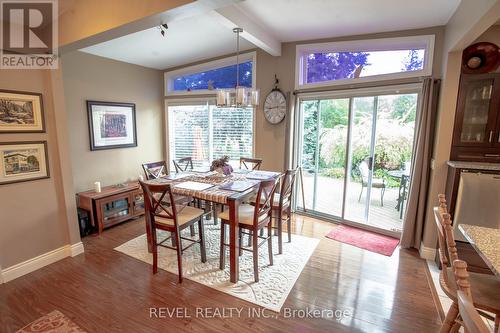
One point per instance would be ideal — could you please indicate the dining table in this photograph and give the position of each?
(220, 192)
(486, 242)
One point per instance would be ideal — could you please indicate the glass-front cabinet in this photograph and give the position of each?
(119, 207)
(138, 200)
(476, 111)
(115, 209)
(477, 122)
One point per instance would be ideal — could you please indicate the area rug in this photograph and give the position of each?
(54, 322)
(275, 282)
(363, 239)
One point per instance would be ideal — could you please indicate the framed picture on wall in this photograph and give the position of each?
(21, 112)
(111, 125)
(23, 161)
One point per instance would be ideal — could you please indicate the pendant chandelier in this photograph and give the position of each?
(240, 96)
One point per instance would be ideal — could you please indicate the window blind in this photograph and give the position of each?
(206, 132)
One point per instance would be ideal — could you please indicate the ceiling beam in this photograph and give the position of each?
(190, 9)
(232, 17)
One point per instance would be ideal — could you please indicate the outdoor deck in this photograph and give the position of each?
(329, 201)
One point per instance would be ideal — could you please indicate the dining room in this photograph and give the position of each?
(208, 166)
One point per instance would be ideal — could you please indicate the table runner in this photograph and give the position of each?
(214, 194)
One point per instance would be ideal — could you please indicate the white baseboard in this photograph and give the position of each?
(427, 253)
(30, 265)
(76, 249)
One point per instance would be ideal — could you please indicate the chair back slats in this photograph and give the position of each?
(287, 187)
(472, 321)
(183, 164)
(450, 238)
(438, 217)
(155, 170)
(264, 200)
(250, 163)
(159, 202)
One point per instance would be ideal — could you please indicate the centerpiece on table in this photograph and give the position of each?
(222, 166)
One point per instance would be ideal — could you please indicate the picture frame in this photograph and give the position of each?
(111, 125)
(23, 161)
(21, 112)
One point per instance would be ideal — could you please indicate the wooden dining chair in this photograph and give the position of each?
(486, 294)
(155, 170)
(252, 219)
(282, 206)
(172, 218)
(186, 164)
(250, 163)
(470, 318)
(183, 164)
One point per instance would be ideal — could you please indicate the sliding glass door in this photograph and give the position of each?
(324, 142)
(355, 151)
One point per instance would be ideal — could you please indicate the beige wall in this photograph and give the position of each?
(40, 216)
(444, 129)
(88, 77)
(32, 214)
(270, 139)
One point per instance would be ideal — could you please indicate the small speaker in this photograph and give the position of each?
(480, 58)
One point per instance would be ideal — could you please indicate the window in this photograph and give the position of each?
(205, 132)
(357, 61)
(224, 77)
(204, 78)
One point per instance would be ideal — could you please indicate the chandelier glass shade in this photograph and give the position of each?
(239, 96)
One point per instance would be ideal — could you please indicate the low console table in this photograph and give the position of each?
(113, 205)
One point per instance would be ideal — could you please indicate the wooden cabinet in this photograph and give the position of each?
(114, 204)
(476, 135)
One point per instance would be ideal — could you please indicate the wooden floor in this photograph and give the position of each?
(106, 291)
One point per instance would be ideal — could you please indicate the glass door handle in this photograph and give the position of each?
(491, 136)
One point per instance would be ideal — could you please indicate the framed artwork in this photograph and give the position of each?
(111, 125)
(23, 161)
(21, 112)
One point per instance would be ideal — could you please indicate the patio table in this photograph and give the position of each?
(404, 179)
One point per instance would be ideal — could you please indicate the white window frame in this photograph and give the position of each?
(195, 101)
(382, 44)
(169, 76)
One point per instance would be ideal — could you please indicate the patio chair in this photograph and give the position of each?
(364, 170)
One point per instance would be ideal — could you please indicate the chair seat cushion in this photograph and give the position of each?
(185, 214)
(245, 214)
(378, 183)
(485, 289)
(276, 199)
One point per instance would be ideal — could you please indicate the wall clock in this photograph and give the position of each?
(275, 105)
